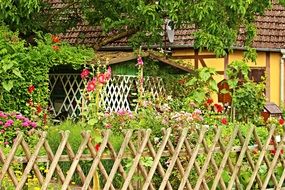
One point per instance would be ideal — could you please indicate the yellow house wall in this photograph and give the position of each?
(275, 77)
(218, 64)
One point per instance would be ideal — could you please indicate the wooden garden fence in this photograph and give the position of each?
(199, 158)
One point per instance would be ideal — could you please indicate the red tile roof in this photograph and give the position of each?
(270, 32)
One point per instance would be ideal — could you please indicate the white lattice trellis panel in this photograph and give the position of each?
(120, 92)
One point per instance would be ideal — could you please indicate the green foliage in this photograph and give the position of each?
(249, 100)
(22, 65)
(201, 85)
(218, 21)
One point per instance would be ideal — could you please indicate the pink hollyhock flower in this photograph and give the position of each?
(102, 78)
(84, 74)
(121, 112)
(140, 61)
(91, 85)
(6, 142)
(31, 88)
(1, 123)
(108, 73)
(2, 131)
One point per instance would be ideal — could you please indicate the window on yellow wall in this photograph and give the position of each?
(257, 74)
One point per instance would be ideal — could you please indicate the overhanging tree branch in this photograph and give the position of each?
(114, 38)
(58, 12)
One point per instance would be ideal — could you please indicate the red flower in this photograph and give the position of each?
(97, 146)
(102, 78)
(31, 88)
(55, 39)
(84, 74)
(219, 108)
(209, 101)
(91, 85)
(273, 152)
(55, 48)
(281, 121)
(39, 109)
(224, 121)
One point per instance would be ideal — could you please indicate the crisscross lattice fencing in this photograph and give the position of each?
(186, 159)
(120, 93)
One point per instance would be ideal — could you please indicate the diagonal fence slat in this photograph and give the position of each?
(194, 158)
(55, 160)
(208, 159)
(196, 165)
(136, 159)
(156, 159)
(273, 163)
(101, 166)
(159, 167)
(10, 171)
(96, 160)
(50, 156)
(241, 156)
(174, 158)
(225, 159)
(76, 161)
(261, 157)
(141, 168)
(178, 162)
(121, 168)
(229, 162)
(32, 158)
(118, 160)
(9, 159)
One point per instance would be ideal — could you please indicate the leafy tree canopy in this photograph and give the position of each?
(142, 21)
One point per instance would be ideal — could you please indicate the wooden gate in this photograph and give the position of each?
(196, 158)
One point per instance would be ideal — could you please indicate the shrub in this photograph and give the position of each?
(10, 123)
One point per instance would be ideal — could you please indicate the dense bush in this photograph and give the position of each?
(23, 65)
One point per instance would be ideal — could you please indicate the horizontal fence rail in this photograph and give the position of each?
(193, 159)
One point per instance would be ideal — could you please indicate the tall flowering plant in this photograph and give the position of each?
(10, 123)
(94, 79)
(140, 76)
